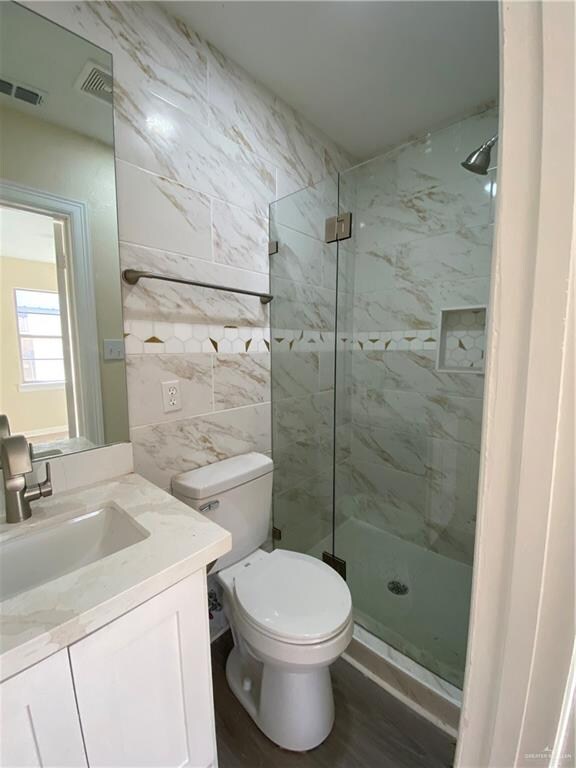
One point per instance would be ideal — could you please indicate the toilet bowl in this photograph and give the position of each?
(291, 618)
(290, 614)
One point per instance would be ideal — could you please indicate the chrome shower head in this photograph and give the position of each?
(479, 160)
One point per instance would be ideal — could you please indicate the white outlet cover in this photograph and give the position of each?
(113, 349)
(171, 396)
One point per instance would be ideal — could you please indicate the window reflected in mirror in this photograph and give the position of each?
(59, 267)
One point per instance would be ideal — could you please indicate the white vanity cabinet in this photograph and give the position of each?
(144, 686)
(39, 723)
(141, 686)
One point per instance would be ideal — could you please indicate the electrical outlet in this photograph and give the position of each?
(171, 396)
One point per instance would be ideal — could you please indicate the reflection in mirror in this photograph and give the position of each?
(62, 375)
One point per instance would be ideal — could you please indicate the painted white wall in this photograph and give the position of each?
(522, 619)
(49, 158)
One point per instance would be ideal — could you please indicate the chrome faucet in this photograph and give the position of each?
(16, 463)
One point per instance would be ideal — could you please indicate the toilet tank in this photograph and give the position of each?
(236, 493)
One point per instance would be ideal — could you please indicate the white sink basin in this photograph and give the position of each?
(42, 554)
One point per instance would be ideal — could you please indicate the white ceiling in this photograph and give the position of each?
(39, 54)
(368, 74)
(26, 235)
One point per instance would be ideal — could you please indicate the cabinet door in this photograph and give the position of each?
(39, 723)
(144, 686)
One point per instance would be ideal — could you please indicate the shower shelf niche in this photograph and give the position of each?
(462, 337)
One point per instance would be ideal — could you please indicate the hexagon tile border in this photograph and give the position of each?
(143, 336)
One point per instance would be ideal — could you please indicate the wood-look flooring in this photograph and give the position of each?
(372, 728)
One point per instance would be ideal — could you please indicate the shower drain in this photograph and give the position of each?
(397, 587)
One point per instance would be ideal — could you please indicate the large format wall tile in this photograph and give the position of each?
(303, 513)
(305, 210)
(303, 418)
(411, 370)
(247, 112)
(453, 256)
(444, 416)
(182, 216)
(390, 500)
(300, 258)
(163, 450)
(423, 245)
(189, 304)
(295, 373)
(412, 305)
(156, 136)
(240, 238)
(299, 306)
(450, 512)
(146, 373)
(241, 379)
(302, 460)
(373, 270)
(397, 307)
(398, 449)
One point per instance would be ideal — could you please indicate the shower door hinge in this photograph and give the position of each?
(272, 247)
(276, 534)
(338, 228)
(337, 563)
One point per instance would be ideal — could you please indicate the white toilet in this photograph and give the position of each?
(291, 615)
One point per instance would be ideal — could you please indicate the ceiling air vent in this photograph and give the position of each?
(96, 82)
(6, 87)
(28, 94)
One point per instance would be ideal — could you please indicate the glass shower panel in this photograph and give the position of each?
(413, 291)
(303, 316)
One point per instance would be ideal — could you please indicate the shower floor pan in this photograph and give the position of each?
(415, 600)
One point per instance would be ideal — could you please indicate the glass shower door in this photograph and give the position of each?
(303, 316)
(377, 349)
(412, 296)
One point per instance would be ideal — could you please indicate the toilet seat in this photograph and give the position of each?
(293, 598)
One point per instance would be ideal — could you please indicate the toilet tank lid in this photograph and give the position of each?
(221, 476)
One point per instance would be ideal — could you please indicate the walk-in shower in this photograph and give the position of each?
(377, 383)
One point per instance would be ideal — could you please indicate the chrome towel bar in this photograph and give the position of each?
(132, 276)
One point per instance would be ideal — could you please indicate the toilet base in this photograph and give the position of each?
(293, 707)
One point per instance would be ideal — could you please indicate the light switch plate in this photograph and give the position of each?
(171, 396)
(113, 349)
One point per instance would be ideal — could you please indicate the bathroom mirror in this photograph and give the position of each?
(62, 373)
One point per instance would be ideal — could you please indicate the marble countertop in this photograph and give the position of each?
(49, 617)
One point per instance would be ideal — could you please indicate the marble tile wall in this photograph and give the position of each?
(422, 244)
(303, 280)
(302, 341)
(201, 152)
(406, 432)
